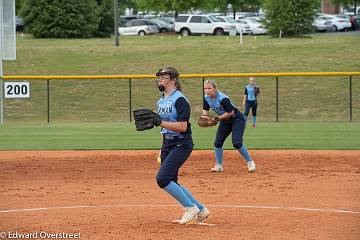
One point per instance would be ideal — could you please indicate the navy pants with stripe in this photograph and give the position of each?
(236, 126)
(252, 105)
(174, 153)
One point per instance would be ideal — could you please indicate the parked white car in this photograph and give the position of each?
(322, 25)
(139, 27)
(255, 26)
(245, 28)
(338, 23)
(187, 24)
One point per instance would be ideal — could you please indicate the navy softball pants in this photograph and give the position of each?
(236, 126)
(252, 105)
(174, 153)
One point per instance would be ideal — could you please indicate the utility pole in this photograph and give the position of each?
(116, 22)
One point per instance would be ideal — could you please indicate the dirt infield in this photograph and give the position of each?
(113, 195)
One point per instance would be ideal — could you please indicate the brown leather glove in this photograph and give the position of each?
(207, 121)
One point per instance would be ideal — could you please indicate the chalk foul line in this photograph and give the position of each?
(166, 205)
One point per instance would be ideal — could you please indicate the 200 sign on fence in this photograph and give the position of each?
(17, 89)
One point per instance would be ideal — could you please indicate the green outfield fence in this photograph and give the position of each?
(287, 96)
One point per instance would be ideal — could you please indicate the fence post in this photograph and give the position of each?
(48, 99)
(202, 87)
(350, 97)
(1, 101)
(130, 107)
(277, 98)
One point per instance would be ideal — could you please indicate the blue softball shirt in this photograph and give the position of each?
(174, 108)
(251, 92)
(220, 104)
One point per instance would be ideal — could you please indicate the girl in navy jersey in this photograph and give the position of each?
(250, 99)
(177, 145)
(231, 120)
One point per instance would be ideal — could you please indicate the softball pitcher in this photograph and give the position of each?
(230, 120)
(173, 116)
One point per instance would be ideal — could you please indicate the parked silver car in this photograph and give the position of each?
(163, 26)
(139, 27)
(169, 20)
(19, 23)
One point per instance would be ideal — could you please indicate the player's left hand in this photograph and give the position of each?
(207, 121)
(146, 119)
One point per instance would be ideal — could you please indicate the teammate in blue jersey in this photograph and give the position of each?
(177, 145)
(250, 99)
(231, 120)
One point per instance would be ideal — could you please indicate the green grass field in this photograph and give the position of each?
(194, 54)
(301, 98)
(124, 136)
(94, 114)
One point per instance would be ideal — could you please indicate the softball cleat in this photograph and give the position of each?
(251, 166)
(202, 215)
(189, 214)
(217, 168)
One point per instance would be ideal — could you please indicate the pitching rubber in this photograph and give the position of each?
(193, 223)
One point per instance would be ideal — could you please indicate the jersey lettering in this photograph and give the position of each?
(165, 110)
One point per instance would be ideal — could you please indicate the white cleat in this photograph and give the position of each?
(217, 168)
(202, 215)
(189, 214)
(251, 166)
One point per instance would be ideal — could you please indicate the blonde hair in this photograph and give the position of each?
(212, 82)
(252, 79)
(178, 84)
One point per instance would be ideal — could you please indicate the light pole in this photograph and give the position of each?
(116, 22)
